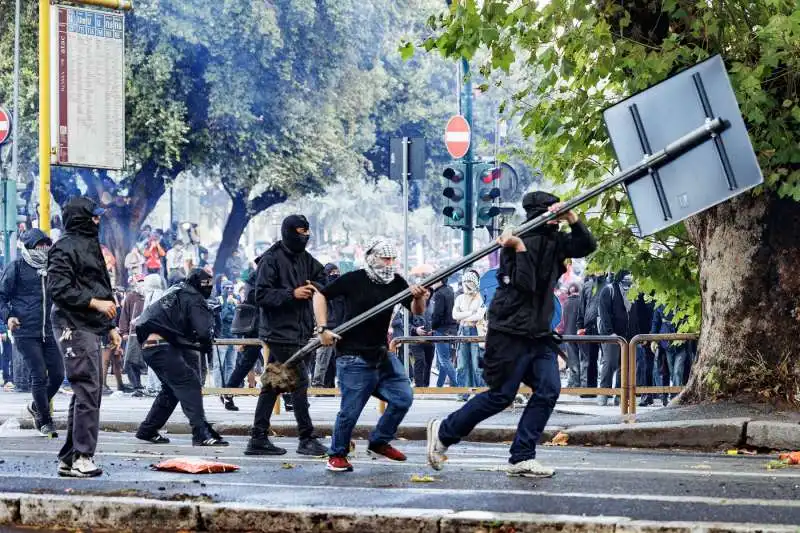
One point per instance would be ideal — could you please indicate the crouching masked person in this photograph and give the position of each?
(519, 343)
(173, 332)
(364, 365)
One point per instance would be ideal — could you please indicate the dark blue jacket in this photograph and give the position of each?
(662, 323)
(24, 295)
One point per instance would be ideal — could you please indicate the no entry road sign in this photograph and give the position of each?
(5, 125)
(457, 136)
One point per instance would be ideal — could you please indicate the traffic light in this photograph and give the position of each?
(455, 213)
(487, 177)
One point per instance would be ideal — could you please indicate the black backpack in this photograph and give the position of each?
(245, 318)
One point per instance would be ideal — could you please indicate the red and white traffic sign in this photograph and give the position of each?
(457, 136)
(5, 125)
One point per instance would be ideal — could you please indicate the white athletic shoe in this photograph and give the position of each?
(84, 466)
(64, 468)
(436, 450)
(529, 468)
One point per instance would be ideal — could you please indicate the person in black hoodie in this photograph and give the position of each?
(617, 317)
(286, 280)
(25, 307)
(173, 332)
(570, 328)
(520, 346)
(586, 324)
(83, 311)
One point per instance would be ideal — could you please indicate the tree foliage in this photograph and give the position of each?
(580, 57)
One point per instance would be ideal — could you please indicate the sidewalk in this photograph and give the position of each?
(714, 426)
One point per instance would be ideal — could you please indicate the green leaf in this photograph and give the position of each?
(406, 50)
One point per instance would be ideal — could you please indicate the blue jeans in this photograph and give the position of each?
(677, 358)
(644, 367)
(445, 364)
(224, 363)
(469, 374)
(536, 366)
(358, 380)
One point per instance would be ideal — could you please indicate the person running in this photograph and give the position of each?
(364, 365)
(519, 342)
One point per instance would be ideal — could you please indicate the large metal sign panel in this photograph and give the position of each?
(707, 175)
(88, 87)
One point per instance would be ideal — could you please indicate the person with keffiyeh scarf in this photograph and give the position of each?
(25, 308)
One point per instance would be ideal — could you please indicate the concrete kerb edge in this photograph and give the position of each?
(142, 514)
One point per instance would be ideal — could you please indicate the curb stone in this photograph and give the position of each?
(773, 435)
(712, 433)
(142, 514)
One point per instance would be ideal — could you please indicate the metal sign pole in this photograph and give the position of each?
(406, 260)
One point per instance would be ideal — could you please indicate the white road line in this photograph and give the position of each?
(477, 464)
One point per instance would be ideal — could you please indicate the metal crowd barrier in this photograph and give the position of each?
(639, 339)
(624, 390)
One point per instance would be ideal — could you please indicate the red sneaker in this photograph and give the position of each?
(386, 450)
(339, 464)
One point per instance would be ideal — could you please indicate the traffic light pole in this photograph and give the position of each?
(469, 215)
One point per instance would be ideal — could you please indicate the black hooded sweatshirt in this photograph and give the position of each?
(181, 316)
(76, 271)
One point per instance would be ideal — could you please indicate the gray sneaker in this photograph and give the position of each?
(49, 431)
(312, 447)
(436, 450)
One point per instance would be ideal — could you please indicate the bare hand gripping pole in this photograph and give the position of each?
(280, 378)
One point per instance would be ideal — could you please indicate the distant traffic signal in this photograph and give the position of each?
(455, 213)
(487, 176)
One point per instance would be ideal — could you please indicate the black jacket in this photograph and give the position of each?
(442, 311)
(23, 295)
(284, 320)
(76, 271)
(523, 302)
(181, 316)
(587, 310)
(571, 308)
(614, 318)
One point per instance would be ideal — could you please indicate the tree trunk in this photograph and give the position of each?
(749, 253)
(235, 225)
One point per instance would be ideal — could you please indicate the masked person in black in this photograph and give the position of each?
(173, 331)
(519, 342)
(287, 278)
(25, 307)
(83, 311)
(325, 367)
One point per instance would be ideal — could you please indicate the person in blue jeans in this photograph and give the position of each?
(443, 324)
(468, 310)
(364, 365)
(520, 347)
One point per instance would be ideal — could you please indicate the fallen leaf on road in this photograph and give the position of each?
(702, 467)
(287, 466)
(560, 439)
(792, 458)
(416, 478)
(774, 465)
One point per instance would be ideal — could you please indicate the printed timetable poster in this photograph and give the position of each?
(88, 88)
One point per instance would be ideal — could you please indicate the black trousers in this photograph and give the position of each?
(244, 364)
(47, 371)
(589, 354)
(268, 396)
(180, 383)
(423, 361)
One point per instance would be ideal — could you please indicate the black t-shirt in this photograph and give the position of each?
(360, 294)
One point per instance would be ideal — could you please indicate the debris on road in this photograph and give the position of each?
(560, 439)
(416, 478)
(194, 465)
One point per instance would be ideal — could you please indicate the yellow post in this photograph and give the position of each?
(44, 116)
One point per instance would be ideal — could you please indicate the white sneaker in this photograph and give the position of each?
(436, 450)
(64, 468)
(529, 468)
(84, 466)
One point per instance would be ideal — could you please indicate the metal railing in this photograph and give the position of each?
(639, 339)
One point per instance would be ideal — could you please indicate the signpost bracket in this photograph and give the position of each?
(718, 144)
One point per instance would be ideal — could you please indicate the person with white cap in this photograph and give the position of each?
(364, 365)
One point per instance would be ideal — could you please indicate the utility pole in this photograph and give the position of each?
(469, 193)
(7, 248)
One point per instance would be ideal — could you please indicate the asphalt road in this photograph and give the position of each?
(639, 484)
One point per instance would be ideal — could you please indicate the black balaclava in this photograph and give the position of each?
(295, 242)
(331, 267)
(78, 215)
(536, 203)
(202, 281)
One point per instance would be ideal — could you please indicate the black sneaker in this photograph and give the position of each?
(288, 401)
(49, 431)
(158, 438)
(211, 441)
(227, 402)
(312, 447)
(262, 446)
(34, 414)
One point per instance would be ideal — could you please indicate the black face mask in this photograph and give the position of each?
(201, 281)
(295, 242)
(333, 277)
